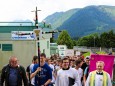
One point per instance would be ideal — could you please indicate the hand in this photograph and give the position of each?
(39, 69)
(43, 85)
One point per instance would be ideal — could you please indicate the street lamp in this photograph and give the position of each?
(94, 41)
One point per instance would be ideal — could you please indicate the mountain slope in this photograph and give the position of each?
(84, 21)
(58, 18)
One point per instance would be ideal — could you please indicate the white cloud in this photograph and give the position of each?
(21, 9)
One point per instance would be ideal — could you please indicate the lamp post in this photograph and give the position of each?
(94, 41)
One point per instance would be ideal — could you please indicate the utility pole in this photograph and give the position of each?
(94, 41)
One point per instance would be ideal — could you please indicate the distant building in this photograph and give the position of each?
(16, 38)
(54, 48)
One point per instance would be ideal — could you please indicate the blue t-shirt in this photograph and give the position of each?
(45, 74)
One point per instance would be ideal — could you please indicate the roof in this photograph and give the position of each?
(7, 27)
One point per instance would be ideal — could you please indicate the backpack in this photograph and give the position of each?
(28, 70)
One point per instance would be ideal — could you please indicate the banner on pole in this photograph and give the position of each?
(22, 35)
(107, 59)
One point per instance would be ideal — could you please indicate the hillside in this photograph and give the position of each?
(84, 21)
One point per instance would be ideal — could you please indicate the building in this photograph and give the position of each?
(25, 48)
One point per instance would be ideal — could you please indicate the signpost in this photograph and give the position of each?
(62, 49)
(69, 52)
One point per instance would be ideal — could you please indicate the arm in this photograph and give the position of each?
(35, 72)
(48, 81)
(109, 80)
(84, 76)
(2, 76)
(49, 74)
(84, 79)
(27, 75)
(87, 83)
(24, 76)
(27, 72)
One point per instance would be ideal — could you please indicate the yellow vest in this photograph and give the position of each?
(92, 78)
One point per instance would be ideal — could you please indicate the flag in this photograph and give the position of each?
(107, 59)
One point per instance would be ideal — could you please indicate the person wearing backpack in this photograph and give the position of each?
(13, 74)
(29, 69)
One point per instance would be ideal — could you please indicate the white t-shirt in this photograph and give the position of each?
(33, 79)
(52, 67)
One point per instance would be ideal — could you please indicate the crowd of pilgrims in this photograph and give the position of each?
(54, 71)
(62, 68)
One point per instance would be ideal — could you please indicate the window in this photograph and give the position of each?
(6, 47)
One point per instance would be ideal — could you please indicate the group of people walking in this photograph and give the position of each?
(69, 71)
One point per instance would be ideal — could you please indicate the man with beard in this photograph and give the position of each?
(13, 74)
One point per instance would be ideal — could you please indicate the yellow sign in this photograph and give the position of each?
(37, 32)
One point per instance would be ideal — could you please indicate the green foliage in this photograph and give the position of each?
(89, 40)
(51, 40)
(101, 52)
(65, 39)
(74, 42)
(86, 54)
(106, 39)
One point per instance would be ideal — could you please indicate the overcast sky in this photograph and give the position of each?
(11, 10)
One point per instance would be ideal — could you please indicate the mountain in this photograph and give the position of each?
(83, 21)
(58, 18)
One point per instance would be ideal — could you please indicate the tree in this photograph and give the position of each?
(107, 39)
(91, 40)
(65, 39)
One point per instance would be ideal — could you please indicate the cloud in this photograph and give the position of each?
(21, 9)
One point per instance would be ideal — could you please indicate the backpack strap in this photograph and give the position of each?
(29, 74)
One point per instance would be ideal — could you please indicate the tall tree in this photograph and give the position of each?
(65, 39)
(91, 40)
(107, 39)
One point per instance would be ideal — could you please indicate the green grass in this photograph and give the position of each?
(101, 52)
